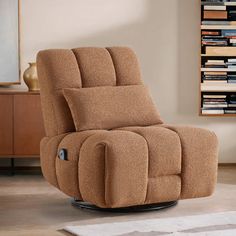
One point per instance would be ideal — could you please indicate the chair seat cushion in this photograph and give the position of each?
(130, 167)
(133, 165)
(111, 107)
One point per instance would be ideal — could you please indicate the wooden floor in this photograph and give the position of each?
(31, 207)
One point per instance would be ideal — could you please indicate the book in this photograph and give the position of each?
(233, 78)
(215, 37)
(215, 43)
(218, 69)
(215, 33)
(215, 8)
(217, 78)
(215, 15)
(226, 51)
(232, 105)
(232, 60)
(215, 73)
(215, 81)
(212, 111)
(215, 22)
(215, 65)
(212, 2)
(214, 96)
(230, 111)
(214, 100)
(232, 3)
(215, 105)
(215, 87)
(215, 61)
(230, 63)
(228, 33)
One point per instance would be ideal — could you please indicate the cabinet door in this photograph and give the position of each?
(6, 124)
(28, 124)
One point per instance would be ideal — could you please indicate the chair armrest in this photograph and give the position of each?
(113, 169)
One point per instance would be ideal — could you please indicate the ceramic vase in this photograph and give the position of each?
(30, 77)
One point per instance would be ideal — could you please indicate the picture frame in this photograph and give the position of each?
(10, 58)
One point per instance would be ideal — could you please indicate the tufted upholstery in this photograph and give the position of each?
(77, 68)
(125, 166)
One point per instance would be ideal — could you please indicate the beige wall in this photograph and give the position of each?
(165, 35)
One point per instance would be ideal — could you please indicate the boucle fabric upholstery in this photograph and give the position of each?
(82, 67)
(111, 107)
(199, 148)
(123, 166)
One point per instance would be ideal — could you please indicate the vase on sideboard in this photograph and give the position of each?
(30, 77)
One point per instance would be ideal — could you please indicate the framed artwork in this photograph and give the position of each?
(9, 42)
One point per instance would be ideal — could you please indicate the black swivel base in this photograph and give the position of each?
(141, 208)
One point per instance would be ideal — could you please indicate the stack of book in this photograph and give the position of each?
(215, 12)
(230, 35)
(213, 38)
(215, 77)
(214, 104)
(220, 76)
(231, 104)
(215, 64)
(231, 78)
(219, 38)
(231, 63)
(232, 15)
(219, 104)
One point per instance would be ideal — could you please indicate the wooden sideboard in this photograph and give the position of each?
(21, 124)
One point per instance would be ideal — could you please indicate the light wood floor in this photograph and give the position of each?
(31, 207)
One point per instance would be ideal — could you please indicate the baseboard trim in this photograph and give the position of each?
(20, 170)
(226, 164)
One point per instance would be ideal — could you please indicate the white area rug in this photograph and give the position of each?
(219, 224)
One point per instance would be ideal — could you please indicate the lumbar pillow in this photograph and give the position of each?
(111, 107)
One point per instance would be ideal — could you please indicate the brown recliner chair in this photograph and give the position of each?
(106, 143)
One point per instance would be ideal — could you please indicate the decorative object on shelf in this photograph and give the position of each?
(30, 77)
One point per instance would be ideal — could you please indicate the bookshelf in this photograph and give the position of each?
(218, 58)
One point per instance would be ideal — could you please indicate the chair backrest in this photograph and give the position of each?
(78, 68)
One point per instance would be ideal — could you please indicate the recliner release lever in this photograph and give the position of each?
(62, 154)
